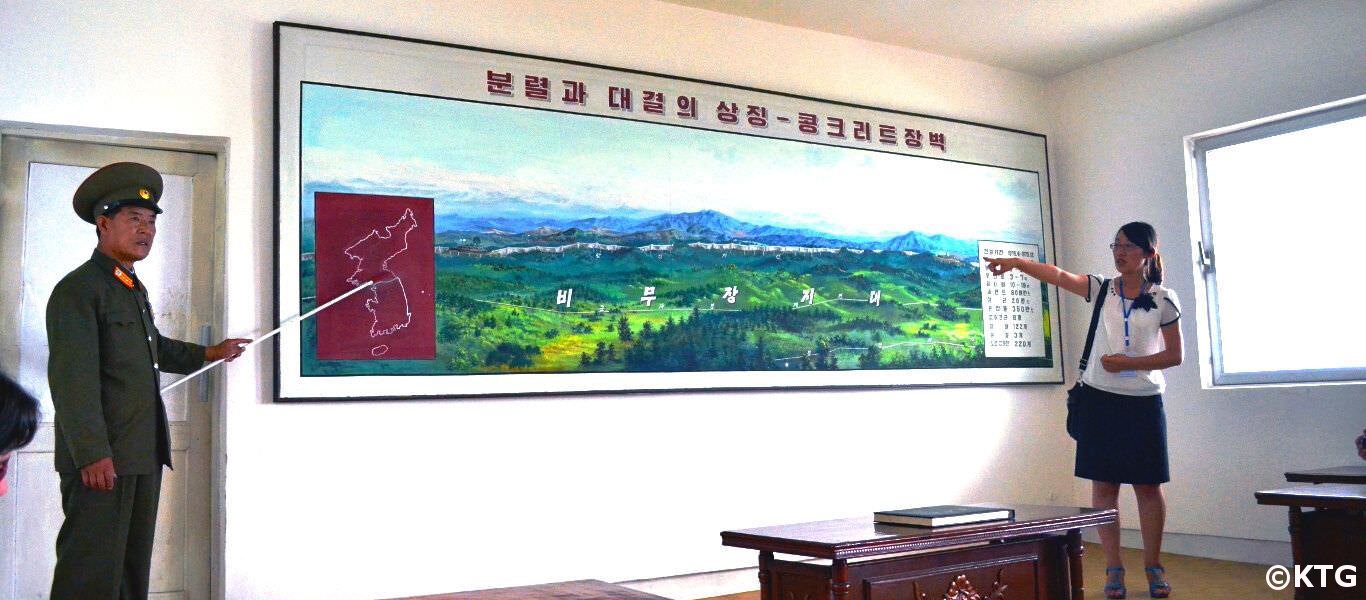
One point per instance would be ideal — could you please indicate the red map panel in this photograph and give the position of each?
(387, 239)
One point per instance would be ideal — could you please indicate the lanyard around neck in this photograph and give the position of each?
(1126, 307)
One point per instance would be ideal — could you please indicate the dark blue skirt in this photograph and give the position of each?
(1121, 439)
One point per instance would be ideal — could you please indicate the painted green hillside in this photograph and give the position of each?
(498, 312)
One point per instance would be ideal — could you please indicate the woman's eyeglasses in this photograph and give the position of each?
(1125, 247)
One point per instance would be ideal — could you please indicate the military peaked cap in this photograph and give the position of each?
(117, 185)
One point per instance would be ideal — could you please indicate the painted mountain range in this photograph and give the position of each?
(706, 226)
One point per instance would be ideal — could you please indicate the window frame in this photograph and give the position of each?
(1205, 246)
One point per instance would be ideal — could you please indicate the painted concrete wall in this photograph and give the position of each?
(1118, 156)
(365, 500)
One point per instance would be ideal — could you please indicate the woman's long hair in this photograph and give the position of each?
(18, 416)
(1144, 236)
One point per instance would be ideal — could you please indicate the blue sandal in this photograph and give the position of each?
(1157, 582)
(1115, 590)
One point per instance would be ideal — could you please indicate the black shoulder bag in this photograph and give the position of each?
(1075, 395)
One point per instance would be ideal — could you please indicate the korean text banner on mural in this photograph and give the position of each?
(536, 225)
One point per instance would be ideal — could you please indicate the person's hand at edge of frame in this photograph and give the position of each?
(228, 349)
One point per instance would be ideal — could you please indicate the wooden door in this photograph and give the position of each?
(40, 241)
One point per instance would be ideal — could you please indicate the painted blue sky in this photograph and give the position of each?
(486, 159)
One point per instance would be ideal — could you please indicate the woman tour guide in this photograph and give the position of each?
(1122, 433)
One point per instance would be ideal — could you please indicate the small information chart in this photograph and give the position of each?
(1012, 306)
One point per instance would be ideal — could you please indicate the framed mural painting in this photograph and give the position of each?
(535, 225)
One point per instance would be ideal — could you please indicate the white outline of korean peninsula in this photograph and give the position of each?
(371, 302)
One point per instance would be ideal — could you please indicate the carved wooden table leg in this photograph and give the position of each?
(1074, 552)
(839, 584)
(1296, 546)
(765, 576)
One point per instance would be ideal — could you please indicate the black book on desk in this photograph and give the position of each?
(940, 516)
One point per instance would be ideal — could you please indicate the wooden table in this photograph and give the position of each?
(1036, 555)
(1330, 532)
(1348, 474)
(587, 589)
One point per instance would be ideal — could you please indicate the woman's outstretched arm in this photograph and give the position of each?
(1077, 284)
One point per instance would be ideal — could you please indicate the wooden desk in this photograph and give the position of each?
(587, 589)
(1329, 475)
(1329, 533)
(1036, 556)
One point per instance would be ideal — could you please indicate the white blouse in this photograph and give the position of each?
(1145, 338)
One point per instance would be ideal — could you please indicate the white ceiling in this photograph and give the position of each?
(1039, 37)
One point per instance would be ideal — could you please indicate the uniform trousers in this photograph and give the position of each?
(104, 548)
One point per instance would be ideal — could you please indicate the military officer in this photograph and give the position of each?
(104, 354)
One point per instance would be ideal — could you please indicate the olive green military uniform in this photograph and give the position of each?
(104, 354)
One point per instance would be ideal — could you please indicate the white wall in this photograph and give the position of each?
(1117, 156)
(363, 500)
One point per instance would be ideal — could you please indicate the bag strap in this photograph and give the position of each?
(1095, 318)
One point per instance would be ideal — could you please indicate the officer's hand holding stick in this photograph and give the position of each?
(233, 347)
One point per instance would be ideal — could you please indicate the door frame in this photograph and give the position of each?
(218, 148)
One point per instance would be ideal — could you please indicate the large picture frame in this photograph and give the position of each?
(526, 225)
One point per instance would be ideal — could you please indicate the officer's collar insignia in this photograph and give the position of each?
(128, 281)
(145, 194)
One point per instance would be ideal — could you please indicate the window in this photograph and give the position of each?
(1282, 203)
